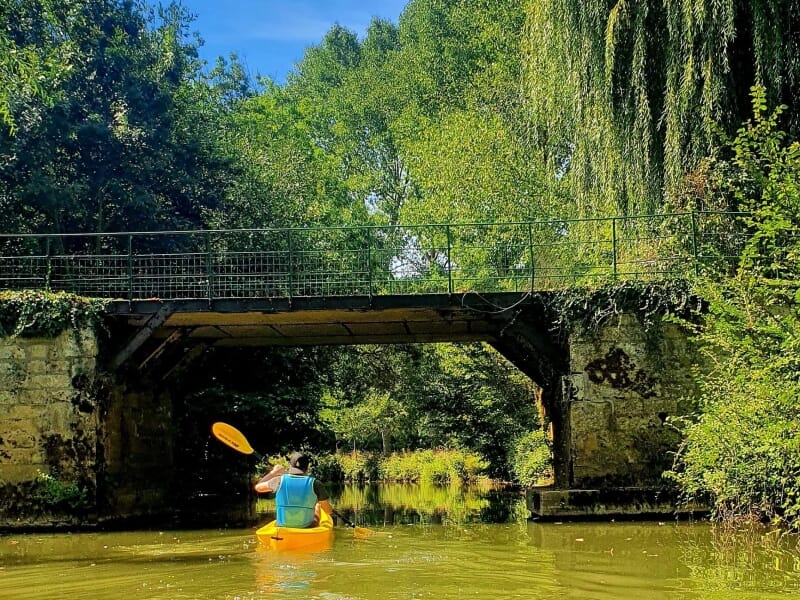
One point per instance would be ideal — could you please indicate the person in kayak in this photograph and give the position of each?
(298, 495)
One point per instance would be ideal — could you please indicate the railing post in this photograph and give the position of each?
(530, 248)
(694, 244)
(449, 261)
(48, 265)
(209, 269)
(614, 244)
(130, 268)
(290, 262)
(369, 262)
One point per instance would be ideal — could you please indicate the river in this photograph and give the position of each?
(427, 543)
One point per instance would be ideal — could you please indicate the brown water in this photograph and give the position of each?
(442, 551)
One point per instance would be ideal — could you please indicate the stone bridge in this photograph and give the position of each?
(605, 394)
(95, 409)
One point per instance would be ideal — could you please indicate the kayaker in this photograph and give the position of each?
(298, 495)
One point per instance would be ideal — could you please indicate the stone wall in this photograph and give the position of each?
(48, 427)
(78, 447)
(624, 383)
(136, 440)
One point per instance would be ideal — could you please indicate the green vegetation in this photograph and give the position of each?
(37, 313)
(743, 450)
(416, 397)
(110, 125)
(588, 308)
(646, 88)
(422, 466)
(464, 110)
(531, 462)
(57, 495)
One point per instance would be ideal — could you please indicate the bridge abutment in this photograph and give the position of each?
(624, 383)
(78, 447)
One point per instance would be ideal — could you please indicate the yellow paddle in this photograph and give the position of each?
(230, 436)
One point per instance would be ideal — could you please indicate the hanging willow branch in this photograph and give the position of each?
(636, 89)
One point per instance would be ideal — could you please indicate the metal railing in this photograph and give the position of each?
(371, 260)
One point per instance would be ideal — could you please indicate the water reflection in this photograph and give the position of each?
(287, 571)
(430, 543)
(427, 503)
(745, 558)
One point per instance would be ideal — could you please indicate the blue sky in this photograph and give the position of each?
(270, 36)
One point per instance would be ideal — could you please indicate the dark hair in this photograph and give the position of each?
(300, 461)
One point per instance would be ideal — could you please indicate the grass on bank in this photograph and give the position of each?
(431, 466)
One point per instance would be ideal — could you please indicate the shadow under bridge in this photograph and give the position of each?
(163, 334)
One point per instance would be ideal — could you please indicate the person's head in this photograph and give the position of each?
(298, 463)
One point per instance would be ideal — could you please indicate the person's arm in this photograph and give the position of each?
(321, 490)
(263, 486)
(326, 506)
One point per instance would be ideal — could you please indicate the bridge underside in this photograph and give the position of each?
(156, 329)
(307, 321)
(601, 394)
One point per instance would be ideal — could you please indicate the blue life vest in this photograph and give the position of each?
(295, 501)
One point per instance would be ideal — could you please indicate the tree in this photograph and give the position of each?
(742, 451)
(119, 141)
(285, 178)
(470, 167)
(469, 152)
(377, 416)
(625, 96)
(475, 399)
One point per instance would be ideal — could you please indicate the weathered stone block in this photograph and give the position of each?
(38, 367)
(38, 351)
(58, 419)
(18, 473)
(21, 414)
(52, 381)
(72, 344)
(624, 383)
(15, 455)
(12, 374)
(38, 397)
(10, 351)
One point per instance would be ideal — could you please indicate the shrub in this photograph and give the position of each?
(532, 458)
(434, 466)
(59, 495)
(742, 450)
(37, 313)
(358, 466)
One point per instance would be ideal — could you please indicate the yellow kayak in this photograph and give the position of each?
(289, 538)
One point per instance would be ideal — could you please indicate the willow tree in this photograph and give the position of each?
(625, 97)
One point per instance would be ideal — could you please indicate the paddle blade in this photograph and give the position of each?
(362, 532)
(359, 532)
(230, 436)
